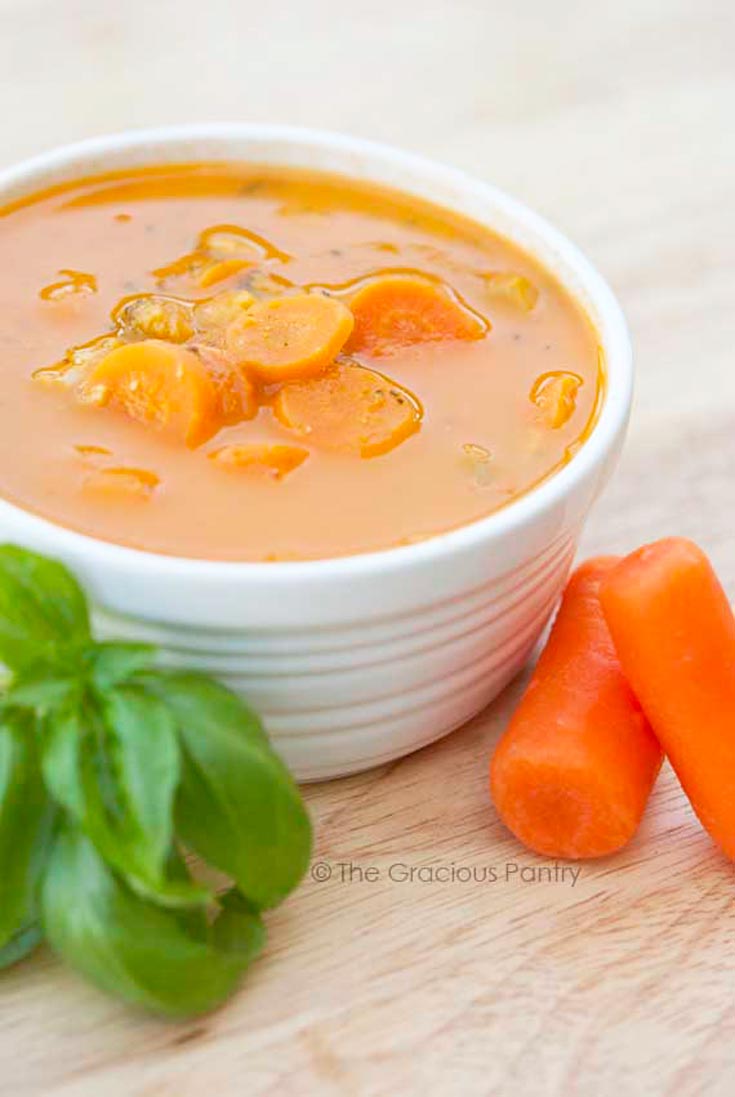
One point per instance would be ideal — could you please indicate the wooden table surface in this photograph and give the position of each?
(616, 121)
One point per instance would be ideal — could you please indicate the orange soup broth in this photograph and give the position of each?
(481, 443)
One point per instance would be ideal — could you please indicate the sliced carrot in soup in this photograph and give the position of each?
(122, 484)
(350, 409)
(158, 384)
(289, 337)
(220, 270)
(272, 460)
(397, 311)
(555, 396)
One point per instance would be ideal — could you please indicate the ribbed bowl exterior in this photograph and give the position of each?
(341, 699)
(358, 660)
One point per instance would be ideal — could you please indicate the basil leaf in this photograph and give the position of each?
(133, 948)
(25, 819)
(42, 692)
(147, 762)
(64, 733)
(212, 707)
(238, 806)
(43, 611)
(238, 928)
(146, 754)
(193, 917)
(113, 663)
(116, 772)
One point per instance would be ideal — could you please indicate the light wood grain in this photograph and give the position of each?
(615, 120)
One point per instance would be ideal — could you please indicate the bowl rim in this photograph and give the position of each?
(601, 442)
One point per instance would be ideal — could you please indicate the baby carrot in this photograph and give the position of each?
(674, 633)
(572, 773)
(396, 311)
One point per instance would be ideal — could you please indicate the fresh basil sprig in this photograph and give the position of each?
(111, 773)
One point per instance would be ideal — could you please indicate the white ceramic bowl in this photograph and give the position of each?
(357, 660)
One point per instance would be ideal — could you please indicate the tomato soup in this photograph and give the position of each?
(239, 363)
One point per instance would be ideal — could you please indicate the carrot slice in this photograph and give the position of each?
(555, 396)
(674, 632)
(289, 337)
(119, 484)
(397, 311)
(220, 252)
(273, 460)
(350, 409)
(159, 384)
(220, 270)
(572, 773)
